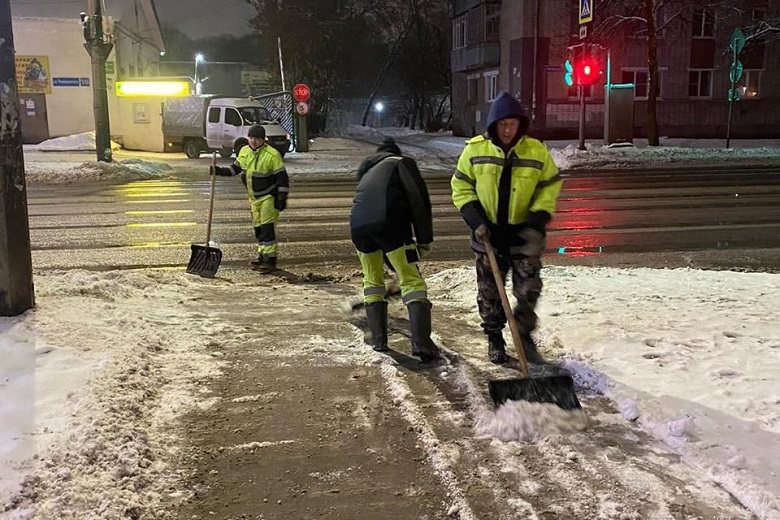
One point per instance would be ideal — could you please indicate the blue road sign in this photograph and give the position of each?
(586, 11)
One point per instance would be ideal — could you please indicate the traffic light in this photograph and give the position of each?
(587, 70)
(568, 77)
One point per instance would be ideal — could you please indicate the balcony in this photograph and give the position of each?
(476, 57)
(461, 6)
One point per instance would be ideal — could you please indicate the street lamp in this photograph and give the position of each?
(379, 107)
(198, 59)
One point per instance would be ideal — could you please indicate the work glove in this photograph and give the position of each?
(280, 203)
(423, 250)
(220, 170)
(534, 242)
(482, 232)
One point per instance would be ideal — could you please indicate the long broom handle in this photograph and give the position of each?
(510, 317)
(211, 199)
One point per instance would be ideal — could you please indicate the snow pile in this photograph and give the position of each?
(89, 414)
(527, 422)
(62, 172)
(69, 143)
(690, 356)
(597, 156)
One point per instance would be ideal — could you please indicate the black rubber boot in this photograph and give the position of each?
(257, 262)
(531, 351)
(377, 325)
(420, 327)
(268, 265)
(496, 348)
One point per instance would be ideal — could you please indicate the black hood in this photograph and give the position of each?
(371, 161)
(506, 107)
(388, 148)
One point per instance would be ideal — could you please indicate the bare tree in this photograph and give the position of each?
(643, 18)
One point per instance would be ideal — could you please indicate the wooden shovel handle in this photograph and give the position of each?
(211, 197)
(510, 317)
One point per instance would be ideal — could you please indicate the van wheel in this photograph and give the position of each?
(192, 148)
(239, 144)
(225, 153)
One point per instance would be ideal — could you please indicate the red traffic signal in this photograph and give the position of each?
(587, 70)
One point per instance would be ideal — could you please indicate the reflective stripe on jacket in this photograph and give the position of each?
(262, 171)
(535, 183)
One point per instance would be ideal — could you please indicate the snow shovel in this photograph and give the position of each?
(556, 389)
(204, 260)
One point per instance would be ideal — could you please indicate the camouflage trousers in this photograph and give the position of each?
(526, 287)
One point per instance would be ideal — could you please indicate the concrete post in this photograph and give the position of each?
(16, 285)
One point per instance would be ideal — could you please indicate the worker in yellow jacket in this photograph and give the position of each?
(263, 173)
(506, 187)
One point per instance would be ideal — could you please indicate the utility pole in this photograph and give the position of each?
(99, 44)
(16, 285)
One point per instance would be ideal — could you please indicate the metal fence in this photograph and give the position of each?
(280, 105)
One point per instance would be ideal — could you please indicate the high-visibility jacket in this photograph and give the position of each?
(532, 190)
(262, 172)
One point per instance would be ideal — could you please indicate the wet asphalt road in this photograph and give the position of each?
(601, 214)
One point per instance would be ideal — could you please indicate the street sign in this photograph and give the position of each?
(585, 10)
(737, 41)
(301, 92)
(734, 94)
(735, 72)
(302, 108)
(583, 32)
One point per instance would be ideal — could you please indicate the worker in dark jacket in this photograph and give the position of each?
(506, 187)
(263, 173)
(391, 209)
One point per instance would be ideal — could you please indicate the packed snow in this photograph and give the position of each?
(692, 356)
(689, 356)
(342, 154)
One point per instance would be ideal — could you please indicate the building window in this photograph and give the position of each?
(703, 24)
(749, 84)
(639, 79)
(492, 12)
(575, 93)
(491, 85)
(472, 88)
(700, 84)
(459, 33)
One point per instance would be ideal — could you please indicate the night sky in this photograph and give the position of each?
(196, 18)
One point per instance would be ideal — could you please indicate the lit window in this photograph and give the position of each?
(459, 33)
(748, 84)
(491, 85)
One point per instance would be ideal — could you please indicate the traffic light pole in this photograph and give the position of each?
(16, 285)
(99, 47)
(731, 99)
(581, 144)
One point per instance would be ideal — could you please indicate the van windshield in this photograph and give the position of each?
(254, 115)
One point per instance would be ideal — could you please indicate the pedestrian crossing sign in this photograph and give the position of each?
(586, 11)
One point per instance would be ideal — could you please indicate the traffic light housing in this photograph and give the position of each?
(568, 76)
(587, 70)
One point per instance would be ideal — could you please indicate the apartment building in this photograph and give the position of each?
(520, 46)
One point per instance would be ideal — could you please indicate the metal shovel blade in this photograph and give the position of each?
(557, 389)
(204, 261)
